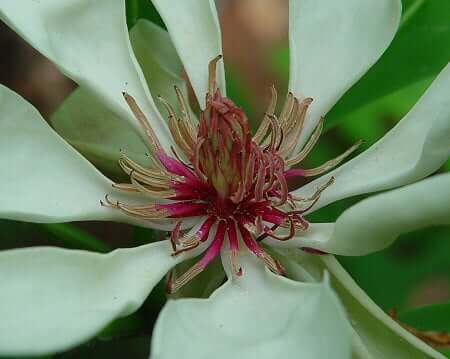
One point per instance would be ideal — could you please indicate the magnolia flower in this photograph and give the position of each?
(220, 191)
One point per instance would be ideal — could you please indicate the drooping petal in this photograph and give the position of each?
(375, 334)
(52, 299)
(379, 335)
(43, 178)
(88, 41)
(332, 44)
(195, 31)
(95, 130)
(416, 147)
(257, 315)
(377, 221)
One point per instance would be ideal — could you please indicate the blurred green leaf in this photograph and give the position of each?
(429, 318)
(143, 236)
(420, 50)
(142, 9)
(130, 348)
(124, 327)
(390, 276)
(74, 237)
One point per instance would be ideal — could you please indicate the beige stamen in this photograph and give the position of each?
(293, 133)
(173, 285)
(316, 194)
(265, 123)
(309, 145)
(331, 163)
(154, 142)
(212, 85)
(186, 114)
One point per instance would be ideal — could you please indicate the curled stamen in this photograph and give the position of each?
(264, 126)
(316, 195)
(175, 235)
(213, 251)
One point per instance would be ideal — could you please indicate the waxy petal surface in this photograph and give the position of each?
(52, 299)
(416, 147)
(88, 41)
(377, 221)
(332, 44)
(96, 131)
(258, 315)
(46, 179)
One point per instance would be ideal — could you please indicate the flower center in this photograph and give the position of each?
(234, 182)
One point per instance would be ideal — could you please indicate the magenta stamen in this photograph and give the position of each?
(204, 230)
(174, 166)
(294, 172)
(313, 251)
(184, 209)
(214, 250)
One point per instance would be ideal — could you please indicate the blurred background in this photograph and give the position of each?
(413, 273)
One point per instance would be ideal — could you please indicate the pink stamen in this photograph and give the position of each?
(214, 250)
(184, 209)
(294, 172)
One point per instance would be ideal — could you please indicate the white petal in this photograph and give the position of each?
(416, 147)
(259, 315)
(52, 299)
(88, 41)
(376, 222)
(375, 334)
(381, 336)
(332, 44)
(45, 179)
(195, 31)
(95, 130)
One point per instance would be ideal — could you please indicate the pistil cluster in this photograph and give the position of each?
(236, 183)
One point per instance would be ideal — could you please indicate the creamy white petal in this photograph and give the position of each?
(95, 130)
(52, 299)
(195, 31)
(45, 179)
(375, 334)
(377, 221)
(416, 147)
(332, 44)
(88, 41)
(259, 315)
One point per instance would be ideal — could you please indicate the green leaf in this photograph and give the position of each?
(390, 276)
(419, 51)
(142, 9)
(74, 237)
(431, 317)
(417, 54)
